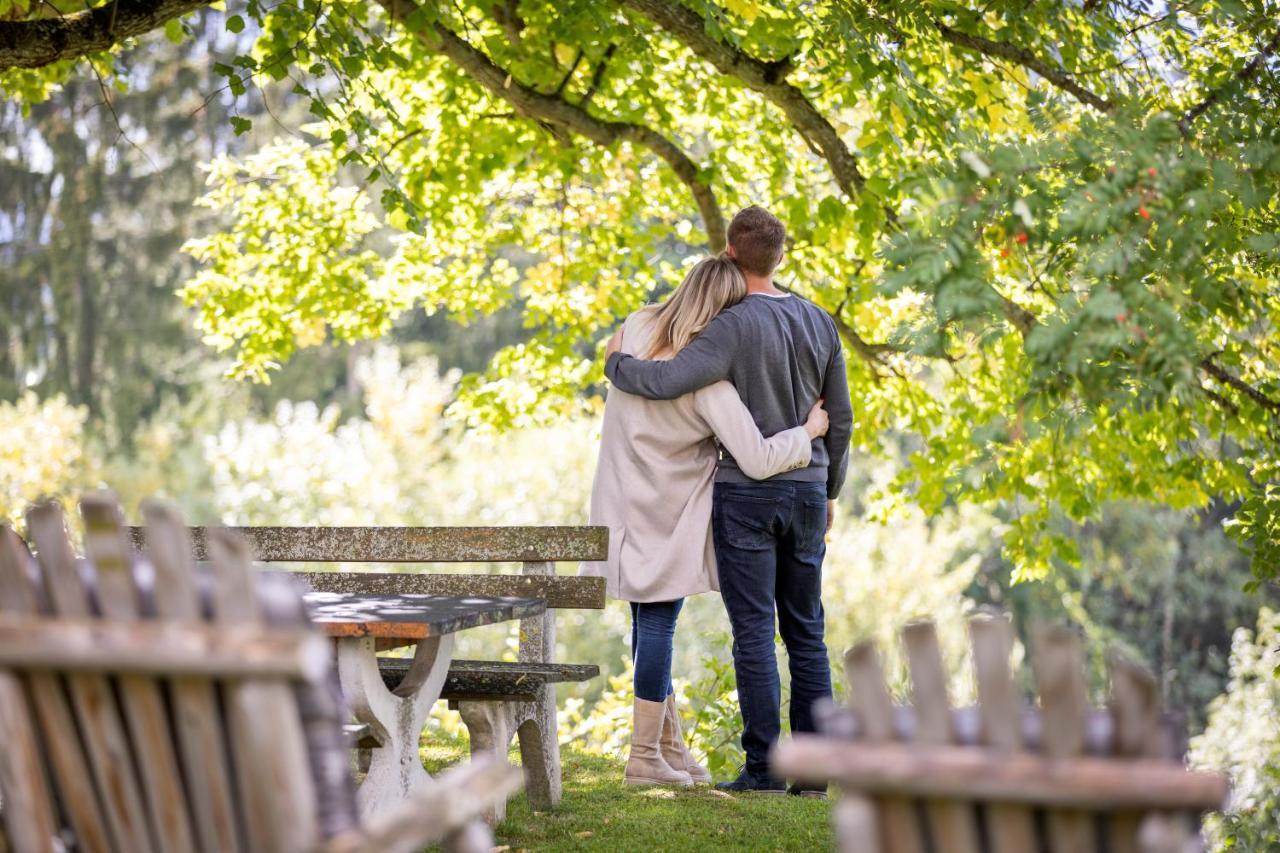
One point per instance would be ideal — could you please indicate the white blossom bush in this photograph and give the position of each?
(42, 453)
(1243, 739)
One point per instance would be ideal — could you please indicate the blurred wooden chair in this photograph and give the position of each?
(1003, 777)
(146, 705)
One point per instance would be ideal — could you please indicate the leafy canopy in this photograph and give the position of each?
(1047, 232)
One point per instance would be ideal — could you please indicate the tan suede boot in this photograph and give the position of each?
(645, 765)
(674, 750)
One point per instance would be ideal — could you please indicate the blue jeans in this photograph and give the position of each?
(653, 627)
(770, 542)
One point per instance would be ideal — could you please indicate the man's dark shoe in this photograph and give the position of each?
(746, 783)
(810, 793)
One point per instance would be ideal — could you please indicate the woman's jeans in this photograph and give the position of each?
(653, 627)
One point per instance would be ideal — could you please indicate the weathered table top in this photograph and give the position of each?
(412, 616)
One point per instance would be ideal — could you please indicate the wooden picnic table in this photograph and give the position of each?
(396, 716)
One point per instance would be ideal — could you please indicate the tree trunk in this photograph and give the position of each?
(86, 391)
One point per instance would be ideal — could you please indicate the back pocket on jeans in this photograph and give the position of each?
(745, 521)
(811, 526)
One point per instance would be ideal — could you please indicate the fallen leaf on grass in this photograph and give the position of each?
(584, 834)
(660, 794)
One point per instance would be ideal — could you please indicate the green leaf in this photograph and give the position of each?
(174, 31)
(235, 24)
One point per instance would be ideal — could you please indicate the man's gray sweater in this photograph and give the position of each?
(782, 353)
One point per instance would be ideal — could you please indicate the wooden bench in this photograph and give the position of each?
(1003, 776)
(498, 700)
(155, 706)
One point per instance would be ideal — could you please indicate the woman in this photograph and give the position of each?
(653, 491)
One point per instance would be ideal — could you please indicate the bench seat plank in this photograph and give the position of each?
(480, 680)
(412, 616)
(559, 591)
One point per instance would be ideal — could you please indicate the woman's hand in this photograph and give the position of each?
(615, 343)
(816, 425)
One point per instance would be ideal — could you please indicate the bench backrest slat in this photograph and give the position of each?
(558, 591)
(413, 544)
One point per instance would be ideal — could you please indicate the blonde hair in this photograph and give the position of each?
(711, 286)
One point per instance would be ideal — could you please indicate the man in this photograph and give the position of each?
(783, 354)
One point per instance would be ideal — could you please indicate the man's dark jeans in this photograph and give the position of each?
(770, 541)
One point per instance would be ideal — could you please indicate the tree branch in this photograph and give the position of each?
(767, 78)
(1211, 367)
(1022, 319)
(871, 354)
(554, 110)
(1055, 74)
(1251, 68)
(42, 41)
(564, 81)
(507, 14)
(597, 76)
(1221, 401)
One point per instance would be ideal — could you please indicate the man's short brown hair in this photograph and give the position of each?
(757, 237)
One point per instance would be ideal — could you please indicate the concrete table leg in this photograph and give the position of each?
(396, 717)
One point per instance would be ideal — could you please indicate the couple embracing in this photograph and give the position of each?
(718, 470)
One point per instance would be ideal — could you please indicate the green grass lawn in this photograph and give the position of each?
(598, 813)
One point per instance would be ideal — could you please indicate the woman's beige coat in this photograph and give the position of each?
(654, 478)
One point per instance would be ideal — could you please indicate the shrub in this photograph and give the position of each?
(42, 453)
(1243, 738)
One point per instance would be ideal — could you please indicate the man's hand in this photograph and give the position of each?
(615, 343)
(831, 516)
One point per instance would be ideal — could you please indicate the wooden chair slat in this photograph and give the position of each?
(99, 719)
(855, 824)
(28, 817)
(201, 735)
(898, 827)
(1135, 706)
(140, 695)
(952, 823)
(1058, 664)
(29, 821)
(268, 749)
(1010, 828)
(1162, 832)
(77, 800)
